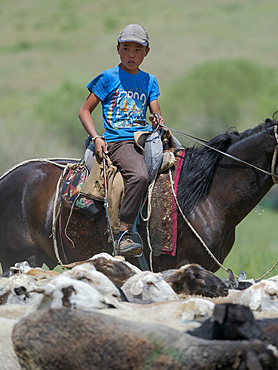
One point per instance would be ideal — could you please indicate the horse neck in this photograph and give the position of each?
(245, 185)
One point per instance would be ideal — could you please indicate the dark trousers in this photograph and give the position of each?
(130, 161)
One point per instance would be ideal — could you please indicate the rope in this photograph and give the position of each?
(105, 163)
(61, 237)
(55, 214)
(192, 228)
(147, 218)
(49, 160)
(201, 240)
(269, 271)
(68, 220)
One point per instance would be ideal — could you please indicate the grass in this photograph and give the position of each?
(216, 63)
(255, 248)
(210, 104)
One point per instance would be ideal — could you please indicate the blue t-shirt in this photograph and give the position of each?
(124, 98)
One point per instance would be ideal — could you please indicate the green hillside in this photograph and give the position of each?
(215, 61)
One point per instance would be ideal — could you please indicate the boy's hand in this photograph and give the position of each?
(156, 119)
(100, 147)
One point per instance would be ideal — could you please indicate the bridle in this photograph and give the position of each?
(274, 158)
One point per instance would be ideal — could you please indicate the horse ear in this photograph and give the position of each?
(219, 313)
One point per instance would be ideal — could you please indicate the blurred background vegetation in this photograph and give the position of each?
(216, 64)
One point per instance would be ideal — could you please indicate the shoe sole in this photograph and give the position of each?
(132, 252)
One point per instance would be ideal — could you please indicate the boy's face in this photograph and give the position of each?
(132, 55)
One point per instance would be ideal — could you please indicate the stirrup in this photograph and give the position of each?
(135, 237)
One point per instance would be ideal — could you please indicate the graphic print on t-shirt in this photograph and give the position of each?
(129, 109)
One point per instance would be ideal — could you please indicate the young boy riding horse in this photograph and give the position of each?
(125, 92)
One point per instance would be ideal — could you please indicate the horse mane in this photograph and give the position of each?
(200, 164)
(198, 170)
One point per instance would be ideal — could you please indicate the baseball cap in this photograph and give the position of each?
(134, 33)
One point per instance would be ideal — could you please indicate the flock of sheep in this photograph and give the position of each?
(105, 313)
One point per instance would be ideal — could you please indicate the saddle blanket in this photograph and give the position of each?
(71, 196)
(163, 219)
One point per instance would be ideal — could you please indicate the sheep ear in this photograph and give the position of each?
(136, 288)
(176, 281)
(256, 299)
(219, 313)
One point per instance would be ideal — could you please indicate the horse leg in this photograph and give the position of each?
(43, 258)
(9, 260)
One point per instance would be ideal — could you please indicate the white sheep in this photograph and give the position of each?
(148, 286)
(63, 291)
(14, 289)
(179, 314)
(20, 267)
(115, 268)
(116, 259)
(87, 273)
(8, 357)
(261, 296)
(10, 314)
(196, 308)
(82, 287)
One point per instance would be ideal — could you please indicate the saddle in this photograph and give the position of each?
(90, 190)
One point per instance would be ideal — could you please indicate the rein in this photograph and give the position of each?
(204, 143)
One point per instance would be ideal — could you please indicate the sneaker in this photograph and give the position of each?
(127, 247)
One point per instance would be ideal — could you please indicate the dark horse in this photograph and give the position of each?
(215, 193)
